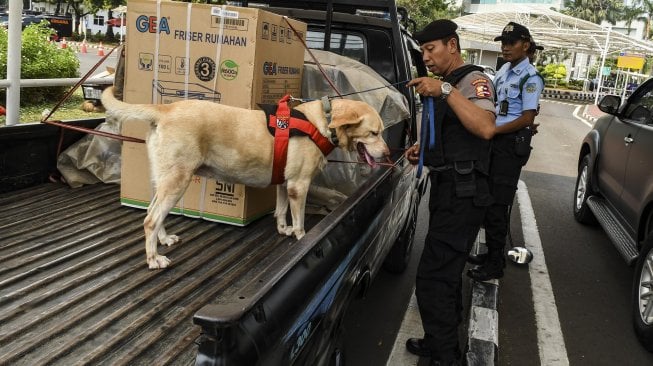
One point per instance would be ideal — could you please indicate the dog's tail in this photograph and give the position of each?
(121, 110)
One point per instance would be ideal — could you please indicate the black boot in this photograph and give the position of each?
(491, 269)
(417, 347)
(485, 273)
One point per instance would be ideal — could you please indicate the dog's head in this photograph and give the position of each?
(359, 127)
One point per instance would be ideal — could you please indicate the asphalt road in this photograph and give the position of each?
(89, 59)
(591, 283)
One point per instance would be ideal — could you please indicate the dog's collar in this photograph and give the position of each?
(326, 106)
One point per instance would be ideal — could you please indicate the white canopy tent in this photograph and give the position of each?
(553, 30)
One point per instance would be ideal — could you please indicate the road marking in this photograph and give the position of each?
(411, 327)
(550, 341)
(581, 118)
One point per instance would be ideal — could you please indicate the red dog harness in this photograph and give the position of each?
(282, 125)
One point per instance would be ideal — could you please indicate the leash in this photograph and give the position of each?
(62, 125)
(428, 117)
(319, 66)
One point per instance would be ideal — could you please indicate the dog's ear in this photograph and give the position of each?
(345, 116)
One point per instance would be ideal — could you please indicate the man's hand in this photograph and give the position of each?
(534, 130)
(427, 86)
(412, 154)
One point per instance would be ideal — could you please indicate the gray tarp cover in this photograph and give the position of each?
(96, 159)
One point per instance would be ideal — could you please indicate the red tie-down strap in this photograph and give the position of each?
(283, 124)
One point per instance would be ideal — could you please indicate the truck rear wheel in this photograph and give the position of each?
(582, 212)
(643, 295)
(397, 259)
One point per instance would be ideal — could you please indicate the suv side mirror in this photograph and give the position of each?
(610, 104)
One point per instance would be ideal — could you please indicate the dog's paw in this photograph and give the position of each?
(159, 261)
(284, 230)
(170, 240)
(299, 234)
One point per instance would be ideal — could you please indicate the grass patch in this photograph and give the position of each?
(71, 109)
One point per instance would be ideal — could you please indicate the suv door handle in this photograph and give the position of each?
(628, 140)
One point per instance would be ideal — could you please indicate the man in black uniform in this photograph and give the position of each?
(458, 164)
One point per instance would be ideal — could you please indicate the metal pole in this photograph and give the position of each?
(13, 62)
(604, 53)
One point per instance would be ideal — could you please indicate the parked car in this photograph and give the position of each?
(615, 188)
(26, 20)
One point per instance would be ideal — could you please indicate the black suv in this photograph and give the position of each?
(615, 188)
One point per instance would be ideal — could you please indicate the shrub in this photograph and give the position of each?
(41, 59)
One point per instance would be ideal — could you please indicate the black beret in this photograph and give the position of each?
(514, 32)
(437, 29)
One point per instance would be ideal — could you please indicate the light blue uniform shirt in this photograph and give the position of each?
(506, 84)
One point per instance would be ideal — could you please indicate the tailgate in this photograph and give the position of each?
(75, 288)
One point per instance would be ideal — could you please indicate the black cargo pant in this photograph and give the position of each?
(453, 224)
(509, 153)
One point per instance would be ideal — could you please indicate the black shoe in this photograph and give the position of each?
(417, 347)
(485, 272)
(477, 258)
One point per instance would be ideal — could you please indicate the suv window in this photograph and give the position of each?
(371, 47)
(346, 44)
(640, 105)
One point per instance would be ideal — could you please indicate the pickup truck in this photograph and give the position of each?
(615, 188)
(73, 287)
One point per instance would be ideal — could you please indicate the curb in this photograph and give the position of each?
(568, 95)
(483, 336)
(589, 116)
(483, 329)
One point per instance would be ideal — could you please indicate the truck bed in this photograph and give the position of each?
(75, 288)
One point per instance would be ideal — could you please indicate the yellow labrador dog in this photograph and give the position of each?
(234, 145)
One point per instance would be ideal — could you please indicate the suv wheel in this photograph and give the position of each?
(582, 213)
(643, 295)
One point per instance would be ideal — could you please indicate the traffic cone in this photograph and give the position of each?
(100, 50)
(82, 49)
(64, 44)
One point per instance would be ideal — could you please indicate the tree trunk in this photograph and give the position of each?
(109, 34)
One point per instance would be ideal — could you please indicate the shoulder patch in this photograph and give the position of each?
(482, 88)
(531, 87)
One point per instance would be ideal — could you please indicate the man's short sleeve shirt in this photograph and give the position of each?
(477, 87)
(520, 96)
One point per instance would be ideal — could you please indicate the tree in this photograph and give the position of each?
(95, 5)
(425, 11)
(648, 13)
(594, 11)
(630, 14)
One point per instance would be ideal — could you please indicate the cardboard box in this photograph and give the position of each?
(229, 55)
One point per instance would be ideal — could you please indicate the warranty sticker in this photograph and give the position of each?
(205, 68)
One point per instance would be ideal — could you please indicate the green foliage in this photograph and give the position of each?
(595, 11)
(40, 60)
(425, 11)
(576, 84)
(554, 74)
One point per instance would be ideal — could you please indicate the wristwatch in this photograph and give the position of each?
(445, 90)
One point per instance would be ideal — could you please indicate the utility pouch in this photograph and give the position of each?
(464, 179)
(523, 142)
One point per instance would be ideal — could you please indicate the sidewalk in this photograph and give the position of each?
(591, 112)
